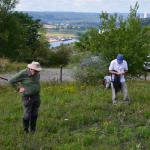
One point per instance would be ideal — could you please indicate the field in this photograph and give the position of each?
(78, 117)
(69, 32)
(56, 34)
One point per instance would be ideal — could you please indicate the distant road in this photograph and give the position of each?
(47, 75)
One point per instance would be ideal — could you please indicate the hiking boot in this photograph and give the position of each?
(26, 125)
(33, 124)
(114, 102)
(126, 101)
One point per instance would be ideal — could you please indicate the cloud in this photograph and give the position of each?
(82, 5)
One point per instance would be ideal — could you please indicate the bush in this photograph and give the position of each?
(91, 70)
(7, 66)
(59, 56)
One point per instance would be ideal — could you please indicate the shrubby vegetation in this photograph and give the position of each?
(22, 38)
(78, 116)
(75, 117)
(19, 35)
(60, 55)
(91, 69)
(117, 35)
(7, 66)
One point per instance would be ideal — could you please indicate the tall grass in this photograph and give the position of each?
(7, 66)
(74, 117)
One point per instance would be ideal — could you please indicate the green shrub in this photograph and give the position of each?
(59, 56)
(7, 66)
(91, 70)
(143, 131)
(126, 133)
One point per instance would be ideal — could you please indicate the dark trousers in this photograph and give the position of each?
(123, 89)
(31, 106)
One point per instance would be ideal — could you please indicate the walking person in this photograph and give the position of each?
(27, 82)
(118, 68)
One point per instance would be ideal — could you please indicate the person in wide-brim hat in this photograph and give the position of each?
(35, 66)
(27, 82)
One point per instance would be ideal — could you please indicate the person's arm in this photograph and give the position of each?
(126, 68)
(111, 69)
(118, 73)
(113, 72)
(124, 73)
(14, 81)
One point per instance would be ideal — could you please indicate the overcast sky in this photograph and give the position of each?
(82, 5)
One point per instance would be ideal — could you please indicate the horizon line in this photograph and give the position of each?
(76, 11)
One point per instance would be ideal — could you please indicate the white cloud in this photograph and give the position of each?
(83, 5)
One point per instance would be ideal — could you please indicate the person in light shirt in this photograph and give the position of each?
(118, 68)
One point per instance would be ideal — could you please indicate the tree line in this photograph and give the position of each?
(20, 39)
(23, 39)
(118, 35)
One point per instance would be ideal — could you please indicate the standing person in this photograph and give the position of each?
(28, 84)
(118, 68)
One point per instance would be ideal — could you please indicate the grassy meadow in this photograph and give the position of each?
(78, 117)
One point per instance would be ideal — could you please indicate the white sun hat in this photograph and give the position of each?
(35, 66)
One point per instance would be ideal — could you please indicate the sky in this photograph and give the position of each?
(98, 6)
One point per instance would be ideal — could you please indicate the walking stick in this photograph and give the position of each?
(3, 78)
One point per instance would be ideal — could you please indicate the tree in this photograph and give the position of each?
(117, 35)
(6, 7)
(30, 38)
(60, 55)
(19, 35)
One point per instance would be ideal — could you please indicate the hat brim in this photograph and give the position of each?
(34, 68)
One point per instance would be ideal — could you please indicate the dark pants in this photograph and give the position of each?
(123, 89)
(31, 106)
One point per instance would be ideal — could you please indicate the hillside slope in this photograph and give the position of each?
(74, 117)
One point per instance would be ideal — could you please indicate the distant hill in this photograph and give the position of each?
(65, 17)
(92, 19)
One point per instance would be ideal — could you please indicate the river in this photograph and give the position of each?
(58, 43)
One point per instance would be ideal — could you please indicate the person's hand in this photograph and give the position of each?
(21, 90)
(121, 73)
(117, 73)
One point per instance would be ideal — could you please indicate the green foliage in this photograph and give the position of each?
(117, 35)
(29, 45)
(77, 116)
(88, 41)
(7, 5)
(19, 36)
(89, 75)
(91, 70)
(60, 55)
(8, 66)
